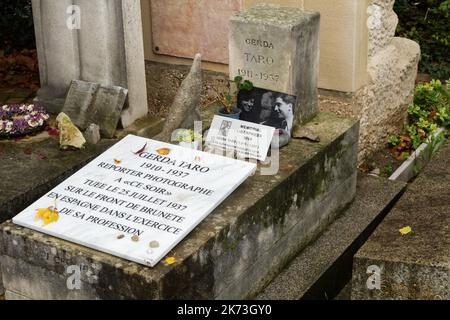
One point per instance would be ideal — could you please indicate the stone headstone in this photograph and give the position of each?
(277, 48)
(137, 200)
(89, 102)
(78, 104)
(107, 109)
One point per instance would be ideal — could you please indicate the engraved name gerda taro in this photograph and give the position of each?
(277, 49)
(138, 200)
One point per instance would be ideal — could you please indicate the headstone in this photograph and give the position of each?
(106, 47)
(137, 200)
(277, 48)
(78, 104)
(89, 102)
(107, 109)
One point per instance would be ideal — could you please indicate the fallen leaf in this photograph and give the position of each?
(404, 231)
(117, 161)
(288, 168)
(53, 132)
(163, 151)
(170, 260)
(140, 151)
(42, 157)
(28, 151)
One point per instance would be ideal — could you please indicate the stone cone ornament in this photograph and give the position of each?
(69, 137)
(185, 108)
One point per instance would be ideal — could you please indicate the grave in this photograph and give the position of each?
(233, 253)
(240, 245)
(137, 202)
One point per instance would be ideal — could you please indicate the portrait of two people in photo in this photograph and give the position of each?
(268, 108)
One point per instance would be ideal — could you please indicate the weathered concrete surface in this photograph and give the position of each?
(233, 253)
(392, 67)
(277, 48)
(30, 168)
(324, 267)
(417, 265)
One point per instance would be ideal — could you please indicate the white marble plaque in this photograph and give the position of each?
(139, 199)
(246, 139)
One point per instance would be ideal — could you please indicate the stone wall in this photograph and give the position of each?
(392, 68)
(343, 38)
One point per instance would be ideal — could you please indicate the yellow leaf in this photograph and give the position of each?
(116, 161)
(48, 215)
(163, 151)
(404, 231)
(170, 260)
(40, 213)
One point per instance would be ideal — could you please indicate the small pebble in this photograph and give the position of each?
(135, 238)
(154, 244)
(120, 237)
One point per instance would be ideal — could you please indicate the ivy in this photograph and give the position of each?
(427, 22)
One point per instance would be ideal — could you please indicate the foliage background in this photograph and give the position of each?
(424, 21)
(16, 25)
(428, 23)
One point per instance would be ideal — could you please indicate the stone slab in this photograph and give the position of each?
(322, 269)
(158, 198)
(417, 265)
(89, 102)
(107, 109)
(277, 48)
(78, 105)
(182, 28)
(234, 244)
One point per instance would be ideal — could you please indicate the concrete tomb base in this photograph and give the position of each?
(232, 254)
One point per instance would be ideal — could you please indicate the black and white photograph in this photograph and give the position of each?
(274, 109)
